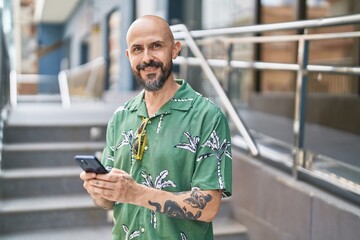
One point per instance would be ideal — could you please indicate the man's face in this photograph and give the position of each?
(150, 52)
(153, 74)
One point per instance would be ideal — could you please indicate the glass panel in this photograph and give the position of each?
(156, 7)
(333, 99)
(338, 52)
(276, 11)
(227, 13)
(331, 8)
(230, 13)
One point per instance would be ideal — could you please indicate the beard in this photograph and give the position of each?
(151, 83)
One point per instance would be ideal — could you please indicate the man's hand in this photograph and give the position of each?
(88, 178)
(116, 186)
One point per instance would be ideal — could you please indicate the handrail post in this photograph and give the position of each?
(184, 67)
(64, 89)
(229, 69)
(300, 103)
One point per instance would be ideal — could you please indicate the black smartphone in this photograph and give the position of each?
(89, 163)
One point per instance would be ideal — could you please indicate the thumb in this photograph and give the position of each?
(116, 170)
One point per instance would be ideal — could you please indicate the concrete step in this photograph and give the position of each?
(226, 228)
(225, 209)
(53, 133)
(39, 98)
(83, 233)
(32, 214)
(25, 183)
(42, 155)
(42, 114)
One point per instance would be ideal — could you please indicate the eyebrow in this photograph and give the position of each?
(158, 41)
(135, 45)
(154, 42)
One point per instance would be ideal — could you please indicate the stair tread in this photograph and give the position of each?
(44, 115)
(44, 146)
(83, 233)
(87, 233)
(40, 172)
(228, 226)
(46, 203)
(221, 227)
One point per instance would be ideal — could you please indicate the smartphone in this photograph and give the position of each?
(90, 163)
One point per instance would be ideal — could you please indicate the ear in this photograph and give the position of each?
(176, 49)
(127, 53)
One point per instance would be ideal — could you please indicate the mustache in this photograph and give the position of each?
(150, 64)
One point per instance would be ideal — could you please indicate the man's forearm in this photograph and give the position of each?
(118, 186)
(193, 205)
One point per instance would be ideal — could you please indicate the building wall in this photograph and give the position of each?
(275, 206)
(80, 25)
(90, 15)
(50, 35)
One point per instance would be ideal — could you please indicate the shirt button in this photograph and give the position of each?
(146, 148)
(142, 230)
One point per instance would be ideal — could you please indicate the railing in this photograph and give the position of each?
(4, 82)
(32, 86)
(87, 80)
(219, 90)
(4, 68)
(301, 68)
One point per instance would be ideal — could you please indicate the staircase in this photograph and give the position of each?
(41, 194)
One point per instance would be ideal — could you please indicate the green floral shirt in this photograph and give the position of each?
(187, 147)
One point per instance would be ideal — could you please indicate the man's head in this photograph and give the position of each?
(151, 48)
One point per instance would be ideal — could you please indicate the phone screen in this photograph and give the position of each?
(90, 163)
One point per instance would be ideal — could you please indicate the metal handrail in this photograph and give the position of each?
(236, 64)
(239, 124)
(314, 23)
(16, 78)
(93, 67)
(301, 67)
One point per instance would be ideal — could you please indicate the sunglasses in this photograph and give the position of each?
(140, 142)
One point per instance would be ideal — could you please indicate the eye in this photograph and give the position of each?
(156, 45)
(136, 49)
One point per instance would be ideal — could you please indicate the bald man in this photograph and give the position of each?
(168, 149)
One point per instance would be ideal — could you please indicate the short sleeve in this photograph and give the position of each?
(108, 152)
(213, 166)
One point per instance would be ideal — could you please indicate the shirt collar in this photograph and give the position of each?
(182, 101)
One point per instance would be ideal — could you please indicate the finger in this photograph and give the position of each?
(86, 176)
(113, 175)
(103, 192)
(116, 170)
(103, 177)
(96, 183)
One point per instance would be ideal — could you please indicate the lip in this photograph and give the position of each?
(150, 69)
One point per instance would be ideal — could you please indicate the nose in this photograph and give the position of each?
(148, 57)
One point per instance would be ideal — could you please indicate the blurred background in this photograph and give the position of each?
(286, 73)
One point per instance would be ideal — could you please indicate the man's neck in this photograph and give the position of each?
(155, 100)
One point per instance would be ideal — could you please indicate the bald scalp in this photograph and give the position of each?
(148, 22)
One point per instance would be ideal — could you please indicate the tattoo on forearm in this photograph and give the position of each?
(198, 199)
(156, 205)
(173, 209)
